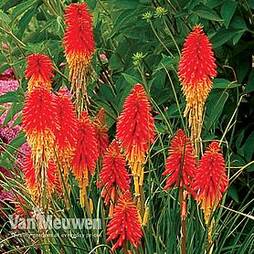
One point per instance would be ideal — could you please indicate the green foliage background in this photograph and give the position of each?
(142, 43)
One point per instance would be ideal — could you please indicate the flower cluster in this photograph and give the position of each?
(135, 131)
(79, 47)
(206, 179)
(197, 68)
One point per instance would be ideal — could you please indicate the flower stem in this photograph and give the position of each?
(182, 199)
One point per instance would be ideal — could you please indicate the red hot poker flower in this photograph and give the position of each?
(39, 123)
(101, 131)
(197, 68)
(85, 155)
(42, 181)
(67, 128)
(181, 163)
(79, 45)
(39, 71)
(79, 38)
(210, 180)
(135, 130)
(125, 225)
(113, 176)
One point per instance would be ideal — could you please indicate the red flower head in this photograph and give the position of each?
(39, 115)
(113, 175)
(210, 181)
(101, 131)
(181, 163)
(67, 128)
(135, 130)
(41, 182)
(39, 71)
(125, 224)
(86, 153)
(78, 43)
(197, 68)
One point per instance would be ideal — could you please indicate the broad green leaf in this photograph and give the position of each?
(209, 15)
(233, 193)
(248, 147)
(131, 79)
(21, 8)
(214, 3)
(227, 11)
(221, 37)
(224, 84)
(25, 20)
(215, 108)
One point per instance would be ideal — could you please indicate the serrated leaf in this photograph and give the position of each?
(227, 11)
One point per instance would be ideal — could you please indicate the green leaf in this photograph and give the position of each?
(220, 83)
(15, 108)
(21, 8)
(131, 79)
(209, 15)
(215, 107)
(233, 193)
(4, 18)
(25, 20)
(227, 11)
(9, 97)
(248, 147)
(13, 146)
(221, 37)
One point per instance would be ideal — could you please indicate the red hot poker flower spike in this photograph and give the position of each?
(197, 68)
(135, 130)
(210, 180)
(79, 45)
(113, 176)
(181, 163)
(85, 155)
(125, 225)
(39, 71)
(101, 131)
(41, 182)
(67, 128)
(39, 123)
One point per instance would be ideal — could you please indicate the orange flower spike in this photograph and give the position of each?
(136, 130)
(210, 180)
(39, 115)
(197, 68)
(39, 71)
(85, 155)
(67, 128)
(125, 225)
(181, 163)
(40, 182)
(113, 174)
(79, 44)
(101, 131)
